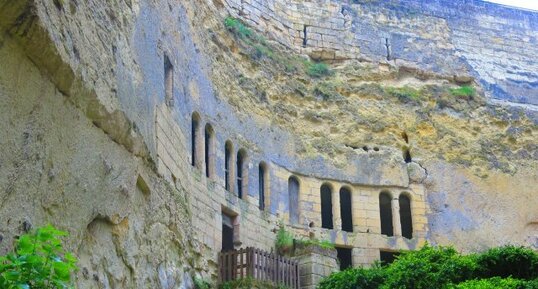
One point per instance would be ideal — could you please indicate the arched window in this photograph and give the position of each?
(228, 149)
(293, 193)
(405, 216)
(195, 138)
(326, 207)
(262, 184)
(242, 173)
(346, 210)
(385, 210)
(209, 151)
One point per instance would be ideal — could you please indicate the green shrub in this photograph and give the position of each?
(509, 261)
(317, 69)
(493, 283)
(238, 28)
(420, 269)
(284, 240)
(38, 262)
(200, 283)
(531, 284)
(463, 91)
(354, 278)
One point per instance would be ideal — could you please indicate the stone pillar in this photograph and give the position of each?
(397, 226)
(315, 264)
(337, 217)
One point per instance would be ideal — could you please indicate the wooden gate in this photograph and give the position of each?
(260, 265)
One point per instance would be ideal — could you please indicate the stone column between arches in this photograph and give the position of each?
(337, 218)
(396, 223)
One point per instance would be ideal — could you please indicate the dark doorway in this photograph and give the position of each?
(345, 210)
(387, 257)
(326, 207)
(227, 233)
(385, 211)
(344, 258)
(405, 216)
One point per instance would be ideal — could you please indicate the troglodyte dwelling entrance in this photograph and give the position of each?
(227, 232)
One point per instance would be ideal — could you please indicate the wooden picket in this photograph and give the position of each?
(260, 265)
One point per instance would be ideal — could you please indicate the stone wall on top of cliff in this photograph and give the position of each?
(494, 44)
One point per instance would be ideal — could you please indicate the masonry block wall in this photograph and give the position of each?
(256, 227)
(491, 43)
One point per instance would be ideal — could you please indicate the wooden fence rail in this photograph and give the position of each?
(260, 265)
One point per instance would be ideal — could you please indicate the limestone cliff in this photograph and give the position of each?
(90, 142)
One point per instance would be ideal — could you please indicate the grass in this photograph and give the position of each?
(326, 90)
(463, 91)
(405, 93)
(325, 244)
(259, 49)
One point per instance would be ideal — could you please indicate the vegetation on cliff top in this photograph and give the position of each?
(259, 49)
(360, 102)
(504, 267)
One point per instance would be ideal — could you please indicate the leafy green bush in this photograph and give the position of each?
(317, 69)
(509, 261)
(463, 91)
(492, 283)
(420, 269)
(38, 262)
(354, 278)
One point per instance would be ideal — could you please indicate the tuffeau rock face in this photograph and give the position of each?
(90, 143)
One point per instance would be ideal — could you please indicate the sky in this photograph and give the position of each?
(528, 4)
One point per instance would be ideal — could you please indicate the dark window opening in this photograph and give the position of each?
(344, 258)
(387, 46)
(326, 207)
(405, 216)
(293, 194)
(227, 233)
(209, 151)
(240, 173)
(385, 210)
(168, 81)
(346, 212)
(304, 36)
(261, 184)
(387, 257)
(227, 161)
(194, 137)
(407, 155)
